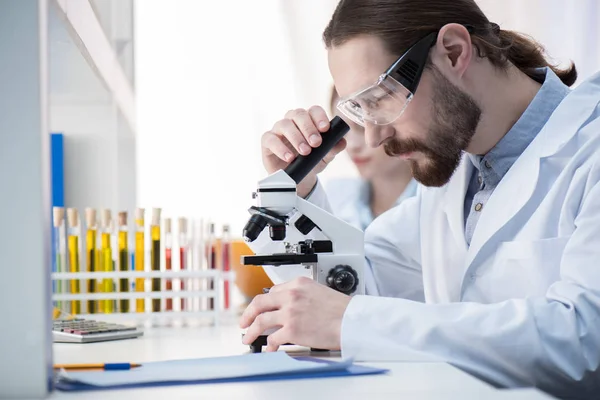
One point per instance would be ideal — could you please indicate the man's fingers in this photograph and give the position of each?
(260, 304)
(305, 123)
(262, 323)
(294, 283)
(292, 132)
(276, 145)
(319, 117)
(279, 288)
(278, 338)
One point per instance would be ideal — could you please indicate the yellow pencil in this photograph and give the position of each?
(102, 366)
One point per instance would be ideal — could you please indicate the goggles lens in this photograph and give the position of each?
(379, 104)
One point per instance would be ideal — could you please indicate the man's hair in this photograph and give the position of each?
(401, 23)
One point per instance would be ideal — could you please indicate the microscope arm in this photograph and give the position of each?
(344, 237)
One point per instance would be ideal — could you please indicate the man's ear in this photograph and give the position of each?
(453, 50)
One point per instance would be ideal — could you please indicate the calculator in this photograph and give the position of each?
(80, 330)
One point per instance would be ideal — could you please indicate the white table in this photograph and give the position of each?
(407, 380)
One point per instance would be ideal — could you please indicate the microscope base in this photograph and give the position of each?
(257, 345)
(259, 342)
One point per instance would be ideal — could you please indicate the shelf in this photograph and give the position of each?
(92, 101)
(89, 37)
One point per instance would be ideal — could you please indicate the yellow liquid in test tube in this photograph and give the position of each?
(91, 267)
(155, 261)
(74, 264)
(139, 260)
(123, 266)
(107, 266)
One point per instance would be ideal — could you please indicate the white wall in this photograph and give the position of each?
(568, 29)
(213, 76)
(99, 142)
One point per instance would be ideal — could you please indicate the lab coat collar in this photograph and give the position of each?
(516, 188)
(575, 110)
(454, 199)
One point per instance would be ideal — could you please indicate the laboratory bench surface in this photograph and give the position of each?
(405, 380)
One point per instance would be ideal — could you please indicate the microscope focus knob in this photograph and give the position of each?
(343, 278)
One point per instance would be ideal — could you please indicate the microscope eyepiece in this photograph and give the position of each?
(302, 165)
(254, 227)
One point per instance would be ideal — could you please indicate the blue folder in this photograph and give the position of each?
(57, 159)
(57, 185)
(244, 368)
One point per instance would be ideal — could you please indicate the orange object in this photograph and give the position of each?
(250, 280)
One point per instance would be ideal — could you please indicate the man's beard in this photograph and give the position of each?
(455, 119)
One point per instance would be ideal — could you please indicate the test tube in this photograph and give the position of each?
(92, 255)
(59, 249)
(139, 256)
(194, 263)
(123, 260)
(168, 263)
(106, 259)
(183, 257)
(114, 244)
(155, 255)
(212, 263)
(202, 263)
(226, 265)
(73, 244)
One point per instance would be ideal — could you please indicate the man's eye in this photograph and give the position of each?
(354, 104)
(372, 103)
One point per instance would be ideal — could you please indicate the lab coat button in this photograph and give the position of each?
(478, 207)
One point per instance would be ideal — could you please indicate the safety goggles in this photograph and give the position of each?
(384, 102)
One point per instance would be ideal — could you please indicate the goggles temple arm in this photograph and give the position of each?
(408, 69)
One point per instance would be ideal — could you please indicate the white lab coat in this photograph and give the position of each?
(521, 305)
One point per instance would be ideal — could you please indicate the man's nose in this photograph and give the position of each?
(375, 135)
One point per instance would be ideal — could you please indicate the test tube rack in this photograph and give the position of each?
(194, 310)
(158, 277)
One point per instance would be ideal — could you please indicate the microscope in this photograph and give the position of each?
(337, 260)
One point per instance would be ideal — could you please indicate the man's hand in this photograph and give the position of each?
(306, 313)
(298, 133)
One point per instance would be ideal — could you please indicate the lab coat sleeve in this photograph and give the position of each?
(552, 342)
